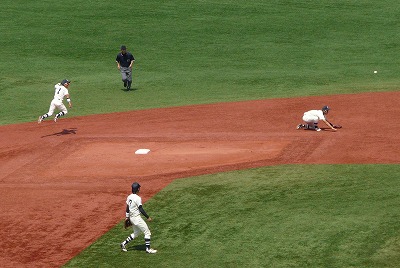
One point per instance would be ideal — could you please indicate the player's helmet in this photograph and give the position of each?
(65, 81)
(135, 187)
(325, 108)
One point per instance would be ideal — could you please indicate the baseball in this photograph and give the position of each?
(375, 72)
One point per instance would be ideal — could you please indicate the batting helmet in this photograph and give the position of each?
(135, 187)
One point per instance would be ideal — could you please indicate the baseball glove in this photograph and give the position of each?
(127, 223)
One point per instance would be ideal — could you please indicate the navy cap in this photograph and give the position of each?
(65, 81)
(325, 108)
(123, 47)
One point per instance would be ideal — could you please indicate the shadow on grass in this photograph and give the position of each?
(132, 89)
(136, 247)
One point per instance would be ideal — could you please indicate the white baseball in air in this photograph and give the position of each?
(375, 72)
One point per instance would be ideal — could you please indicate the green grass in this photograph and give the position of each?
(286, 216)
(190, 52)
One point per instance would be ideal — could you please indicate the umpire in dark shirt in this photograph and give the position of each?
(125, 61)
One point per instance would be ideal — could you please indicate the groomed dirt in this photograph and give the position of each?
(79, 170)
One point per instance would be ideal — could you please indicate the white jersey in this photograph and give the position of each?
(314, 114)
(134, 201)
(60, 91)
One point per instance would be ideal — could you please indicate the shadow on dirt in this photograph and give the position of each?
(63, 132)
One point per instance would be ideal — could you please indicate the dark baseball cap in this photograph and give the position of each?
(123, 47)
(325, 108)
(65, 81)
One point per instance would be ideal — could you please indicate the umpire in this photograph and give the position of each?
(125, 61)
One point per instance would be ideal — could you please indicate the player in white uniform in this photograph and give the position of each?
(60, 91)
(312, 118)
(133, 210)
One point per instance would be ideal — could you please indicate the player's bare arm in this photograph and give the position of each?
(329, 125)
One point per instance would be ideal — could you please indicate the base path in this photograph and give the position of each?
(55, 177)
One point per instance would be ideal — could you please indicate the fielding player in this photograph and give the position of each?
(133, 210)
(312, 117)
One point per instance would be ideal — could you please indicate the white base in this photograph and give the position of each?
(142, 151)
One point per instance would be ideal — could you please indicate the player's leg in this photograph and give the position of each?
(316, 126)
(147, 235)
(49, 113)
(311, 122)
(124, 76)
(129, 78)
(136, 232)
(63, 111)
(313, 125)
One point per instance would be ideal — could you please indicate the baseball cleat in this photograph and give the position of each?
(40, 120)
(123, 247)
(300, 126)
(151, 251)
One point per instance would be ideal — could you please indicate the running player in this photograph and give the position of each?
(60, 91)
(125, 61)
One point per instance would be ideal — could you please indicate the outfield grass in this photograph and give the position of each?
(191, 52)
(286, 216)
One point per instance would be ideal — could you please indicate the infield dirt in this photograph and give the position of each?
(54, 177)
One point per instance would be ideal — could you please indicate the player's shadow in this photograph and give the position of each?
(132, 89)
(63, 132)
(136, 247)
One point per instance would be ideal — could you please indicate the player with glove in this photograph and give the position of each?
(134, 208)
(312, 117)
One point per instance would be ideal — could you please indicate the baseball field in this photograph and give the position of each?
(218, 89)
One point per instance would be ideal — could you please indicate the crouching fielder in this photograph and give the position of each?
(133, 210)
(60, 91)
(312, 117)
